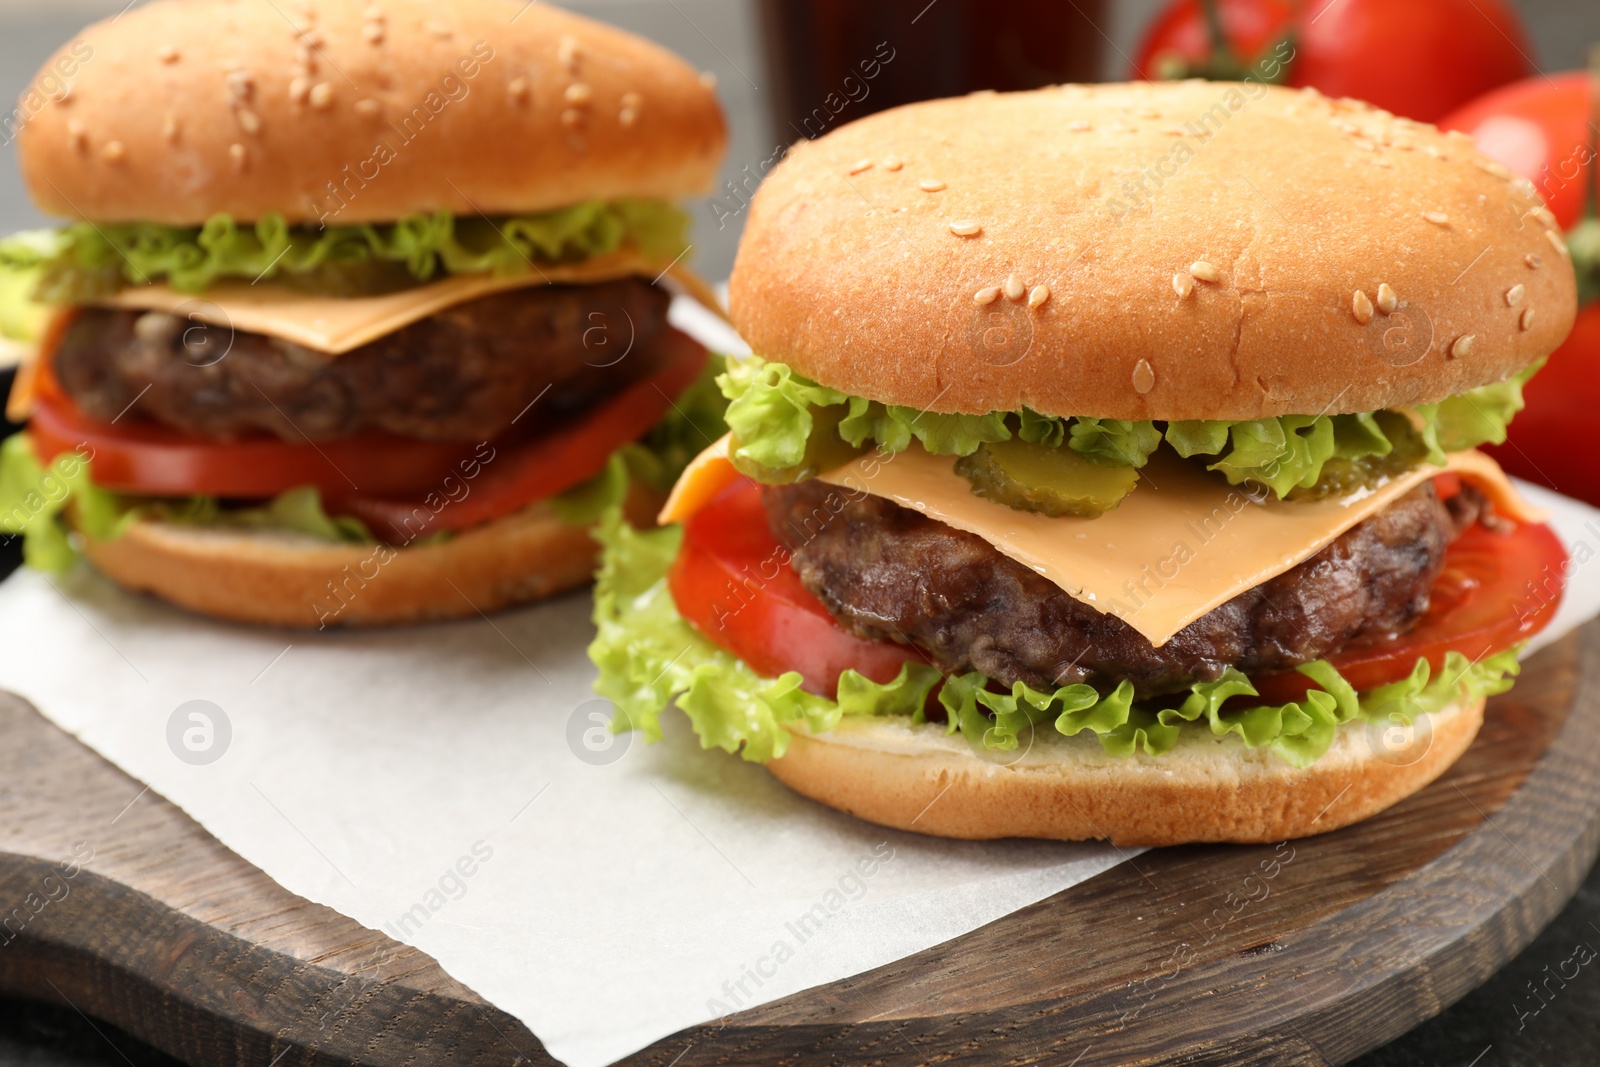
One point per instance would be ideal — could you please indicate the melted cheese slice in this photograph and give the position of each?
(1181, 544)
(336, 324)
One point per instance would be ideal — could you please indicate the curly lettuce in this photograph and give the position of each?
(650, 659)
(776, 416)
(84, 260)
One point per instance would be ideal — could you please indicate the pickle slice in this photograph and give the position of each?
(825, 450)
(1050, 481)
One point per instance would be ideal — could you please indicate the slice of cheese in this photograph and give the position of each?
(338, 324)
(1181, 544)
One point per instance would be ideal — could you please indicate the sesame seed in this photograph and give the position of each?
(893, 163)
(1182, 284)
(168, 54)
(571, 117)
(1362, 142)
(1014, 288)
(1438, 218)
(860, 165)
(321, 96)
(1080, 126)
(1203, 271)
(1149, 113)
(1388, 299)
(1173, 131)
(1038, 295)
(579, 94)
(312, 38)
(1533, 261)
(239, 155)
(633, 100)
(76, 131)
(1521, 184)
(1458, 135)
(113, 152)
(249, 122)
(1556, 242)
(368, 107)
(372, 32)
(299, 89)
(1514, 295)
(1144, 377)
(517, 88)
(628, 116)
(438, 29)
(1379, 161)
(987, 295)
(965, 228)
(169, 128)
(1461, 347)
(708, 80)
(1526, 322)
(1361, 307)
(373, 11)
(1492, 167)
(1546, 217)
(568, 53)
(241, 83)
(930, 185)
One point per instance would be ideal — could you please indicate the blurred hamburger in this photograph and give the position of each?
(357, 303)
(1106, 469)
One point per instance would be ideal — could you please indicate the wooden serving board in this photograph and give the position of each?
(1311, 952)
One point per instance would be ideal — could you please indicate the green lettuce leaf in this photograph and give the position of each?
(650, 659)
(775, 413)
(84, 260)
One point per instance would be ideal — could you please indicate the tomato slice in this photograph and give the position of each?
(732, 581)
(379, 477)
(1498, 588)
(498, 480)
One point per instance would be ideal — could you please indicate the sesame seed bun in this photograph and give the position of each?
(283, 579)
(350, 112)
(1068, 788)
(1149, 251)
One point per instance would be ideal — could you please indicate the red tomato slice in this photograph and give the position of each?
(733, 583)
(500, 479)
(141, 457)
(1546, 443)
(391, 482)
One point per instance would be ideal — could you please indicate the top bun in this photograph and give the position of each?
(345, 112)
(1149, 251)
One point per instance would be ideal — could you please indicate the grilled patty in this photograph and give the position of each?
(885, 571)
(461, 375)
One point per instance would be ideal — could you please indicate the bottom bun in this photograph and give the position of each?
(287, 579)
(1208, 788)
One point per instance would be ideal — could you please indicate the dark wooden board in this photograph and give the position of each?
(1312, 952)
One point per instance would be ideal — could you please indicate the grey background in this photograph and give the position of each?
(720, 36)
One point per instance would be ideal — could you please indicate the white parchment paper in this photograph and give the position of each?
(453, 786)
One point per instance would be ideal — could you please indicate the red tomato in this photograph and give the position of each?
(501, 479)
(733, 583)
(1497, 589)
(1539, 128)
(1417, 58)
(1550, 441)
(414, 487)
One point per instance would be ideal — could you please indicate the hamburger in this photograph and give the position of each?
(359, 313)
(1106, 469)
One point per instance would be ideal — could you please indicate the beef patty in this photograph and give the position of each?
(461, 375)
(885, 571)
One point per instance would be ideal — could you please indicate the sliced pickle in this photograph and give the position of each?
(1050, 481)
(825, 450)
(351, 278)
